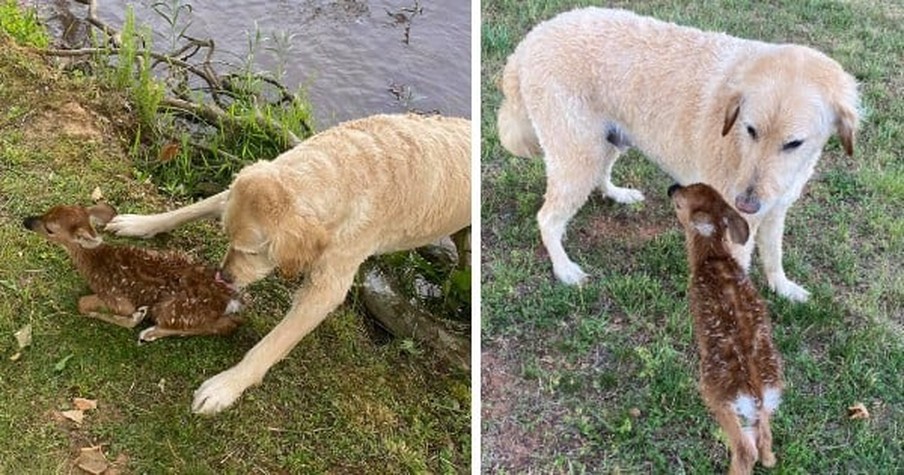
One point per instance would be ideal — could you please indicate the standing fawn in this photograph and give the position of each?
(181, 297)
(740, 369)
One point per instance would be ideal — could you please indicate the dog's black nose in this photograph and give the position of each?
(29, 223)
(673, 189)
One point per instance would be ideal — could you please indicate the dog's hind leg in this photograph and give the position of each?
(617, 141)
(572, 172)
(146, 226)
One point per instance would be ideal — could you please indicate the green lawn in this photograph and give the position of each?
(346, 400)
(602, 379)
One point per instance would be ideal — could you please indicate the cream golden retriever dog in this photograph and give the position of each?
(370, 186)
(746, 117)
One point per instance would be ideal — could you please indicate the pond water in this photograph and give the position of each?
(351, 56)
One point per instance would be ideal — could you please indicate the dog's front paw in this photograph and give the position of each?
(134, 225)
(218, 393)
(791, 291)
(570, 273)
(624, 195)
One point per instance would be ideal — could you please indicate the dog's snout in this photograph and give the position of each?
(747, 202)
(30, 223)
(672, 189)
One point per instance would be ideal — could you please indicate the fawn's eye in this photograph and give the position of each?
(792, 145)
(751, 132)
(48, 230)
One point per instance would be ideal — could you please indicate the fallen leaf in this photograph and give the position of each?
(83, 404)
(169, 151)
(858, 411)
(23, 336)
(97, 195)
(162, 385)
(634, 412)
(16, 356)
(74, 415)
(92, 460)
(61, 365)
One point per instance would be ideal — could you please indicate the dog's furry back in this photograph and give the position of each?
(391, 177)
(654, 80)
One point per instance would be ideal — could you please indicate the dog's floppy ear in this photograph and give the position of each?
(732, 109)
(296, 242)
(101, 213)
(846, 122)
(738, 229)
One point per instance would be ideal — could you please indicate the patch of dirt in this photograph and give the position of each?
(636, 230)
(506, 442)
(70, 120)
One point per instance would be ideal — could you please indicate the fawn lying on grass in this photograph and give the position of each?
(181, 297)
(740, 369)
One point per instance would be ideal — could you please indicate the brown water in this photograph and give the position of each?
(350, 55)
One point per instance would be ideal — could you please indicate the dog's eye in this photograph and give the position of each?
(751, 131)
(792, 145)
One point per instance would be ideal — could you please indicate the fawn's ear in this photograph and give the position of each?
(86, 238)
(101, 213)
(738, 229)
(703, 223)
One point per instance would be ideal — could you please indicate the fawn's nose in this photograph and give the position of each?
(30, 222)
(672, 189)
(224, 276)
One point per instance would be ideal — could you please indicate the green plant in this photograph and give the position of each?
(23, 25)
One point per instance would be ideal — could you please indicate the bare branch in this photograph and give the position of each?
(216, 115)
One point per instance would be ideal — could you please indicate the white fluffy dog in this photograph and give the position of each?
(746, 117)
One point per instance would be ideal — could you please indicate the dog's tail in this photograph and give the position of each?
(516, 132)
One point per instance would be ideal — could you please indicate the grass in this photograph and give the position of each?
(346, 400)
(602, 379)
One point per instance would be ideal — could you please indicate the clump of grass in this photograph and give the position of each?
(184, 155)
(22, 24)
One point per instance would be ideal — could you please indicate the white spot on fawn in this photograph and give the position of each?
(745, 407)
(772, 397)
(233, 306)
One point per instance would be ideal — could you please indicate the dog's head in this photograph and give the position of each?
(703, 212)
(72, 225)
(268, 227)
(780, 110)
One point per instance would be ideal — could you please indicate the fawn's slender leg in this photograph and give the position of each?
(221, 326)
(121, 313)
(743, 450)
(764, 440)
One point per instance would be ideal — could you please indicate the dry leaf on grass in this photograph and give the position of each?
(858, 411)
(74, 415)
(23, 336)
(83, 404)
(92, 460)
(16, 356)
(97, 195)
